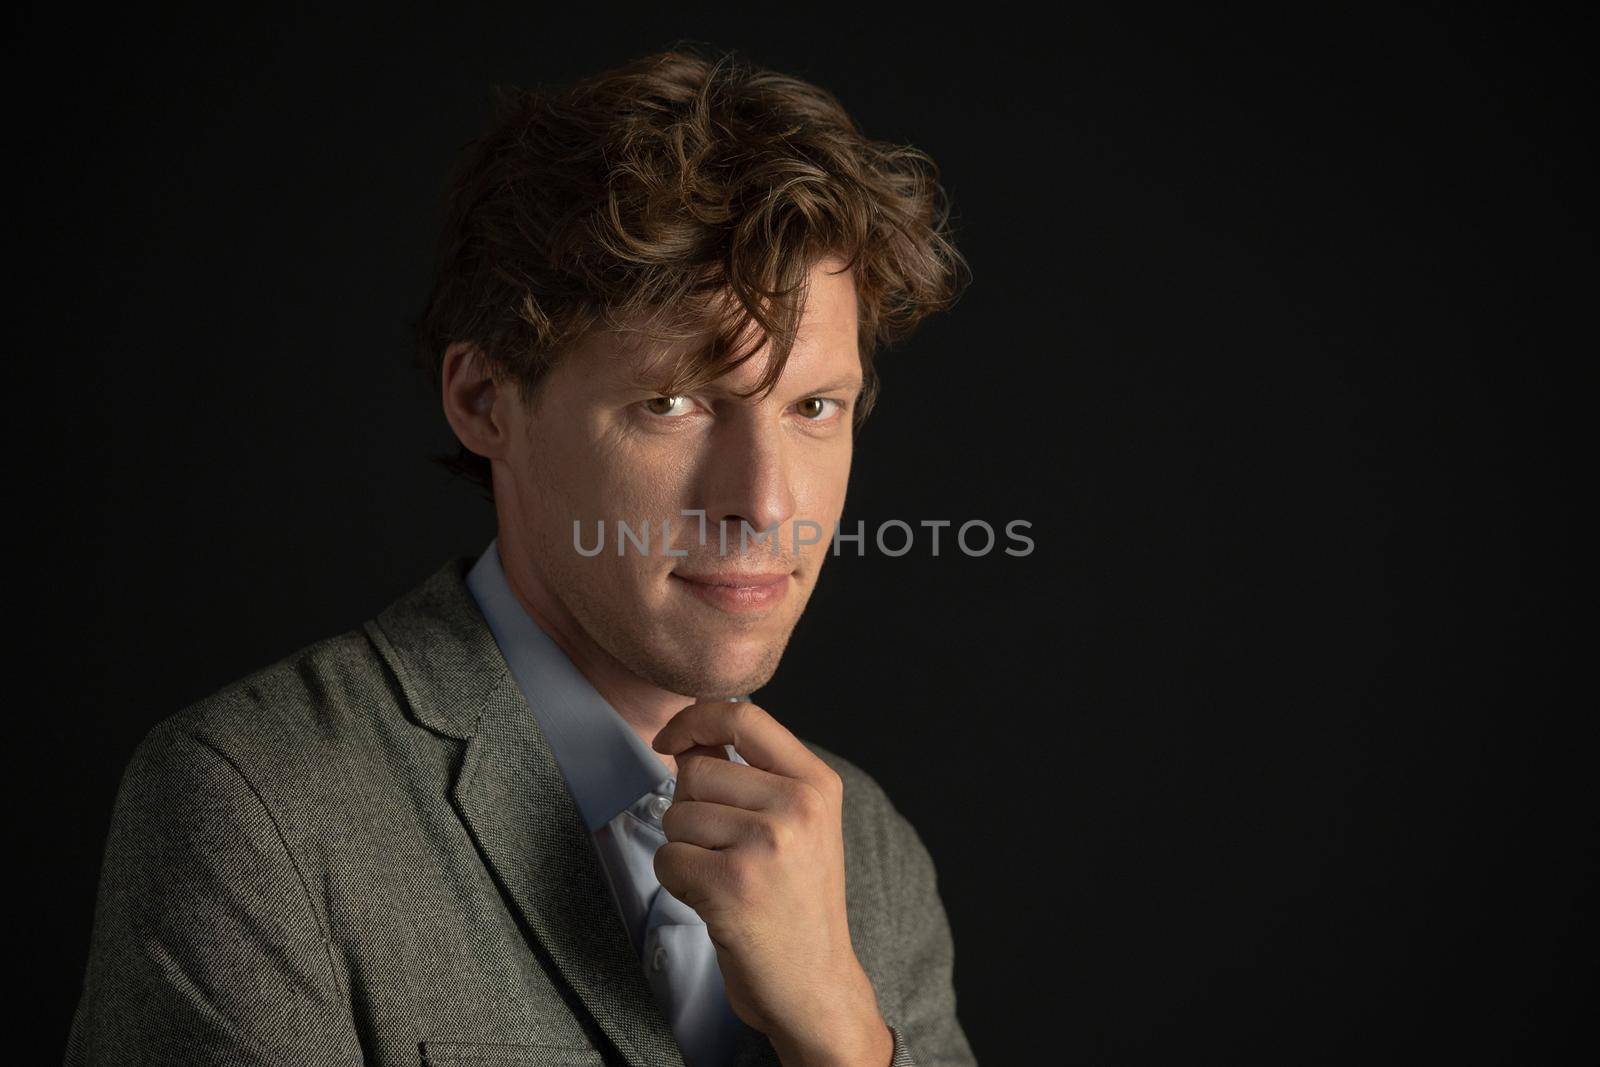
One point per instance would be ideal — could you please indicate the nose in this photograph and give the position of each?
(747, 476)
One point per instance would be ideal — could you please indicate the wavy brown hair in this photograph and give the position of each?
(685, 195)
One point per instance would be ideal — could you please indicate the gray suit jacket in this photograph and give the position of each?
(366, 853)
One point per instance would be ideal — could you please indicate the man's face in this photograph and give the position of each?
(602, 445)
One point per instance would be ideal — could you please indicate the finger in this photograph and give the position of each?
(715, 826)
(689, 872)
(713, 751)
(721, 781)
(763, 741)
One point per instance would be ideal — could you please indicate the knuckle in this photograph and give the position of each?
(774, 834)
(806, 801)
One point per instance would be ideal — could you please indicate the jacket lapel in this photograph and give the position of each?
(510, 793)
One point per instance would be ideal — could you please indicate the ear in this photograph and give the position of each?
(468, 392)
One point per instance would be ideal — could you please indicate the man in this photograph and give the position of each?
(527, 814)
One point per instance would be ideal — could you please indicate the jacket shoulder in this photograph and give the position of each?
(298, 731)
(861, 789)
(874, 827)
(310, 698)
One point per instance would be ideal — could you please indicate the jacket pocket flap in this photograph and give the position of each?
(490, 1054)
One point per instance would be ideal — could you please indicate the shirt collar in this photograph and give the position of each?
(607, 766)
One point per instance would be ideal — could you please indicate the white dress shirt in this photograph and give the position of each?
(621, 788)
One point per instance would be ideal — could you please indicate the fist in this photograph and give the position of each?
(758, 852)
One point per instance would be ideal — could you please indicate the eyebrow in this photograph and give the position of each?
(850, 381)
(847, 381)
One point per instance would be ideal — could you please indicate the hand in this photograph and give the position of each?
(758, 852)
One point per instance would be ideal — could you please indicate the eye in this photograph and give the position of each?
(816, 408)
(667, 406)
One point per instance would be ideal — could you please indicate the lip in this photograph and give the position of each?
(737, 593)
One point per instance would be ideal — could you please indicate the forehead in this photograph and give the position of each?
(826, 347)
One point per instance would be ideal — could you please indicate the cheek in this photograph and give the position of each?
(641, 483)
(599, 470)
(603, 480)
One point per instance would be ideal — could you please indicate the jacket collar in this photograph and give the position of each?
(509, 792)
(607, 767)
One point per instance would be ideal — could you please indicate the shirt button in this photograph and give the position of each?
(659, 960)
(659, 806)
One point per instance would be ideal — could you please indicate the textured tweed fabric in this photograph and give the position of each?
(365, 853)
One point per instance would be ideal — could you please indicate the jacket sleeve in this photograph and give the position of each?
(206, 948)
(926, 1031)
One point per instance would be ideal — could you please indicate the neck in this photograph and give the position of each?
(645, 707)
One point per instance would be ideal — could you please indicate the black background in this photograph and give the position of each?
(1271, 752)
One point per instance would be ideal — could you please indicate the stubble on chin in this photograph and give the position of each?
(696, 668)
(703, 675)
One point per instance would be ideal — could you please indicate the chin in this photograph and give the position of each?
(696, 652)
(712, 673)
